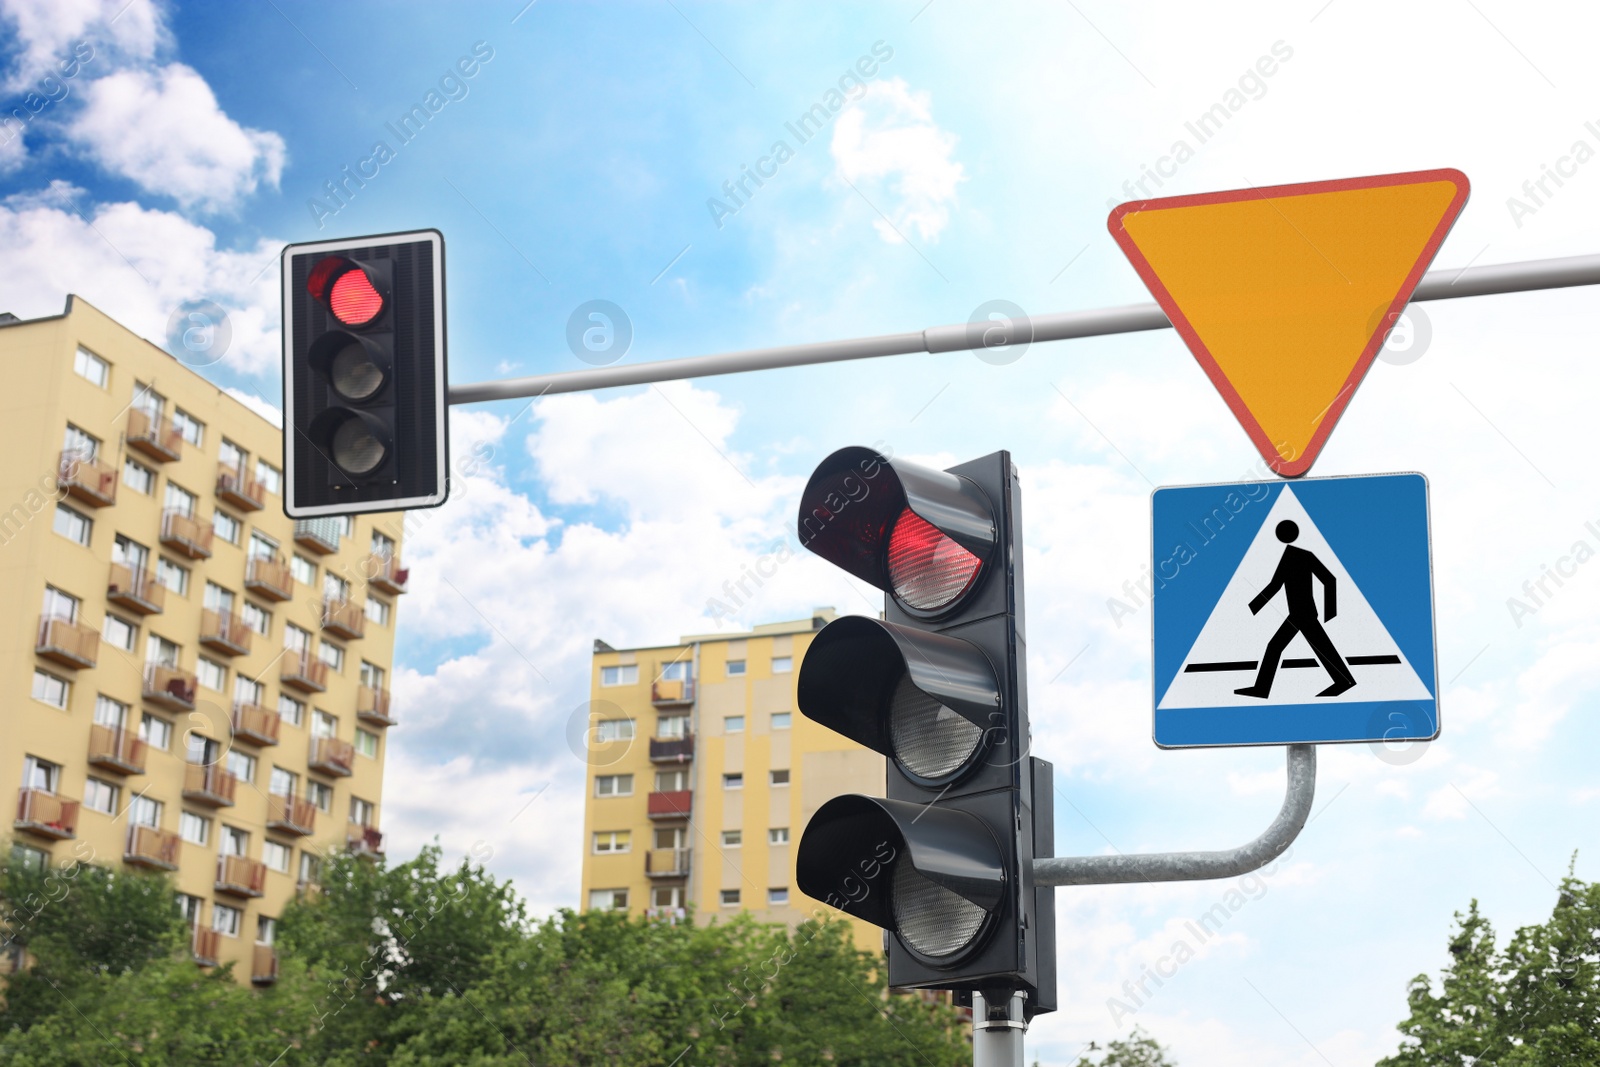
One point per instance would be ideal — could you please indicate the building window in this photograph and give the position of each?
(180, 500)
(324, 725)
(276, 856)
(50, 689)
(613, 841)
(735, 668)
(235, 842)
(320, 795)
(778, 835)
(142, 811)
(672, 781)
(303, 570)
(613, 785)
(172, 576)
(732, 838)
(262, 546)
(149, 401)
(91, 367)
(677, 671)
(781, 720)
(782, 664)
(281, 783)
(195, 829)
(212, 674)
(778, 897)
(266, 926)
(295, 639)
(248, 691)
(730, 898)
(335, 587)
(225, 920)
(627, 674)
(100, 796)
(310, 868)
(667, 896)
(138, 477)
(672, 726)
(40, 774)
(226, 526)
(779, 777)
(367, 743)
(241, 765)
(608, 900)
(257, 618)
(109, 712)
(331, 654)
(59, 605)
(192, 429)
(155, 732)
(371, 675)
(158, 649)
(269, 477)
(190, 907)
(73, 525)
(119, 633)
(376, 611)
(671, 836)
(29, 859)
(733, 781)
(80, 443)
(231, 455)
(291, 710)
(733, 724)
(614, 730)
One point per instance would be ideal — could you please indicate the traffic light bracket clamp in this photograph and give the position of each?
(1195, 866)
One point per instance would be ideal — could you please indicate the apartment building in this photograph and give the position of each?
(194, 683)
(702, 773)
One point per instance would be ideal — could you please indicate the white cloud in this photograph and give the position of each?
(164, 130)
(887, 145)
(46, 31)
(1455, 799)
(265, 408)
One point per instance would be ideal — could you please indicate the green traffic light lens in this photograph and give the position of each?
(354, 374)
(930, 918)
(928, 738)
(355, 448)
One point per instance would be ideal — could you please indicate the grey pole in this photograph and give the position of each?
(1056, 326)
(997, 1031)
(1190, 866)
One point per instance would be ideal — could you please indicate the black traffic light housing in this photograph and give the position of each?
(939, 686)
(364, 375)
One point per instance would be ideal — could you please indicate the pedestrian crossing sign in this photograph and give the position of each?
(1293, 613)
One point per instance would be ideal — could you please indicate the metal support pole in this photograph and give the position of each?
(997, 1031)
(1056, 326)
(1190, 866)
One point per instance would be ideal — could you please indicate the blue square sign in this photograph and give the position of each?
(1293, 612)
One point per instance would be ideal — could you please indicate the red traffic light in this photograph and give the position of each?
(927, 569)
(347, 289)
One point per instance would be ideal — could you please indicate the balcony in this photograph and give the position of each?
(666, 863)
(668, 691)
(186, 534)
(138, 591)
(46, 814)
(209, 784)
(672, 749)
(344, 619)
(224, 632)
(255, 724)
(87, 479)
(207, 943)
(329, 755)
(672, 805)
(112, 748)
(301, 671)
(264, 965)
(390, 577)
(291, 816)
(240, 876)
(364, 840)
(161, 442)
(372, 706)
(319, 535)
(269, 579)
(170, 687)
(236, 487)
(66, 642)
(152, 848)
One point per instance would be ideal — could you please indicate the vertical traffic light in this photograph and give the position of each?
(944, 861)
(364, 375)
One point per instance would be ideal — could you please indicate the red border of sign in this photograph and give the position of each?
(1301, 464)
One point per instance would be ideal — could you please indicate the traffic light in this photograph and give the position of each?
(364, 375)
(943, 862)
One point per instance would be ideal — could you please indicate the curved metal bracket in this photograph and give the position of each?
(1190, 866)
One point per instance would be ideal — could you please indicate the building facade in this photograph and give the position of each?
(702, 773)
(193, 682)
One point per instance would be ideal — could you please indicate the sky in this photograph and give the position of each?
(170, 151)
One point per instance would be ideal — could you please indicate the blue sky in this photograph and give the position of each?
(976, 163)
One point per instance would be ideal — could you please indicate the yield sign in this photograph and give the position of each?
(1285, 293)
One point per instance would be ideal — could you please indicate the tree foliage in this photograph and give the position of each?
(1139, 1049)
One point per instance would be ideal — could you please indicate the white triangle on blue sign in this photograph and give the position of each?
(1228, 651)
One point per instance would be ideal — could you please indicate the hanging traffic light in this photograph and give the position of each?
(364, 375)
(943, 862)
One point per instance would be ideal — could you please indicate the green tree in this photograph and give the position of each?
(1139, 1049)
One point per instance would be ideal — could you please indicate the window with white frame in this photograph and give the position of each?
(138, 477)
(266, 926)
(257, 618)
(109, 712)
(733, 781)
(608, 900)
(59, 605)
(303, 570)
(190, 907)
(672, 781)
(613, 841)
(73, 525)
(282, 783)
(158, 649)
(324, 725)
(195, 829)
(778, 897)
(320, 795)
(666, 896)
(149, 401)
(51, 689)
(335, 587)
(331, 654)
(248, 691)
(211, 674)
(676, 671)
(180, 500)
(91, 367)
(732, 838)
(372, 675)
(778, 777)
(218, 599)
(296, 639)
(81, 444)
(735, 668)
(730, 898)
(235, 842)
(778, 835)
(310, 868)
(613, 730)
(613, 785)
(231, 455)
(143, 811)
(119, 633)
(226, 920)
(189, 427)
(362, 811)
(291, 710)
(155, 732)
(226, 526)
(241, 765)
(782, 664)
(382, 545)
(262, 546)
(672, 726)
(781, 720)
(100, 796)
(172, 576)
(366, 743)
(625, 674)
(733, 724)
(276, 856)
(376, 611)
(130, 553)
(40, 774)
(269, 477)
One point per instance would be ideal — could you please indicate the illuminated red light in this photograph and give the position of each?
(353, 300)
(927, 569)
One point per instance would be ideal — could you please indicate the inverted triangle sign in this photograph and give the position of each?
(1285, 293)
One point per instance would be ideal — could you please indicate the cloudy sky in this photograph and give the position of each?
(586, 158)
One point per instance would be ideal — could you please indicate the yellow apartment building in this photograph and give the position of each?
(193, 682)
(702, 773)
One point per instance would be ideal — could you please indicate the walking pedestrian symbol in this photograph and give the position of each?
(1298, 613)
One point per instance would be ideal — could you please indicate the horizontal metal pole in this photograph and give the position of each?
(1192, 866)
(1055, 326)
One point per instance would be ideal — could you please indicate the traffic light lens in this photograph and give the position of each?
(929, 917)
(355, 449)
(354, 374)
(927, 569)
(928, 738)
(353, 299)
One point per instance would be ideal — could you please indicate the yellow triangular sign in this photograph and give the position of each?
(1285, 293)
